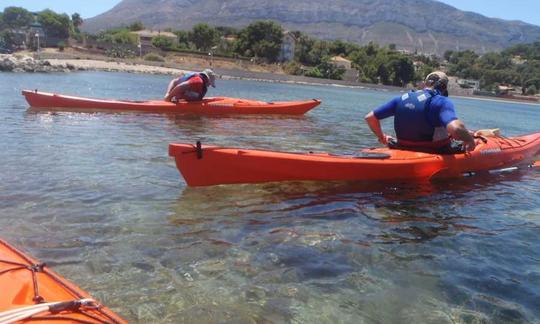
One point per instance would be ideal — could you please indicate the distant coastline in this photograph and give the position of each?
(69, 62)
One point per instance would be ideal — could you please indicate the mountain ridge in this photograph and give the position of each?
(426, 26)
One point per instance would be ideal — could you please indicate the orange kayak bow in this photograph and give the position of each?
(208, 106)
(203, 165)
(31, 292)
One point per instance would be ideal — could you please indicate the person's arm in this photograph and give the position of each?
(373, 119)
(458, 131)
(455, 127)
(169, 88)
(375, 126)
(177, 91)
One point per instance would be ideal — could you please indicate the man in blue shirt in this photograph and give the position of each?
(424, 120)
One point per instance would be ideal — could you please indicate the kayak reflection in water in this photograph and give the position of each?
(424, 120)
(191, 86)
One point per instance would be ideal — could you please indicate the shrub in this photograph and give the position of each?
(120, 52)
(293, 68)
(162, 42)
(154, 57)
(61, 46)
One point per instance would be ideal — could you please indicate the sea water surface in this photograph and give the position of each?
(97, 198)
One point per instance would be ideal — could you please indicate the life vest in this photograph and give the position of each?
(188, 76)
(411, 120)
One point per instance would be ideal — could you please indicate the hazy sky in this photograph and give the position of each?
(525, 10)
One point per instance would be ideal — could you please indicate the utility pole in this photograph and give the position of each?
(37, 36)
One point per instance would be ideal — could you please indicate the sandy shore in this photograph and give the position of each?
(94, 65)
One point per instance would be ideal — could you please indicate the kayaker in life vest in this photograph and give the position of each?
(424, 120)
(191, 86)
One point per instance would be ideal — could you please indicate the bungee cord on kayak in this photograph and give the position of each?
(45, 287)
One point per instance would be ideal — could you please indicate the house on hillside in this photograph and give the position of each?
(28, 36)
(505, 89)
(469, 84)
(455, 87)
(350, 74)
(35, 32)
(341, 62)
(518, 60)
(288, 46)
(146, 36)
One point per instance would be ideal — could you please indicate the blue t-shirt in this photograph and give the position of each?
(438, 112)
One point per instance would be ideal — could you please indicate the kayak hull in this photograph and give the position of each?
(208, 106)
(19, 290)
(211, 165)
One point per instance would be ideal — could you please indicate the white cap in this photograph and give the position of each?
(211, 76)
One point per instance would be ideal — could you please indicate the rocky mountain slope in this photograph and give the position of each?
(427, 26)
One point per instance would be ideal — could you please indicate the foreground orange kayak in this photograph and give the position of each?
(203, 165)
(208, 106)
(30, 291)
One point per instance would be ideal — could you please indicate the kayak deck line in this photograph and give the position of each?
(207, 106)
(198, 149)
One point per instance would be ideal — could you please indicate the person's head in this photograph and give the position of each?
(438, 81)
(211, 76)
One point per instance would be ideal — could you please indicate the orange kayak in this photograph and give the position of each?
(208, 106)
(31, 292)
(203, 165)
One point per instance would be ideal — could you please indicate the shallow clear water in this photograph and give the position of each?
(98, 199)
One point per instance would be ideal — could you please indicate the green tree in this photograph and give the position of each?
(319, 50)
(56, 25)
(383, 75)
(302, 50)
(326, 70)
(136, 26)
(532, 90)
(162, 42)
(6, 39)
(360, 61)
(118, 36)
(227, 31)
(16, 17)
(203, 36)
(402, 70)
(262, 39)
(183, 38)
(77, 21)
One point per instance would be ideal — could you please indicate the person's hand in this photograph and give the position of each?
(385, 139)
(469, 146)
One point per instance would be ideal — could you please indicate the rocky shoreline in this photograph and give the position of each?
(19, 63)
(23, 63)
